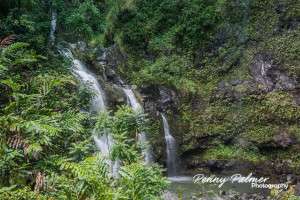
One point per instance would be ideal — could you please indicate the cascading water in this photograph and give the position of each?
(53, 27)
(136, 106)
(105, 142)
(171, 148)
(86, 77)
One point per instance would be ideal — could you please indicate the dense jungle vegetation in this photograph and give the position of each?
(208, 52)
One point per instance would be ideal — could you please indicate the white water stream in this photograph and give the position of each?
(170, 148)
(53, 27)
(105, 142)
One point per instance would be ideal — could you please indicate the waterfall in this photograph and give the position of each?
(170, 147)
(86, 77)
(136, 106)
(105, 142)
(53, 27)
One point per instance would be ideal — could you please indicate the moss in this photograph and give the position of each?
(172, 71)
(286, 49)
(257, 119)
(263, 21)
(290, 156)
(277, 107)
(160, 54)
(223, 152)
(208, 88)
(260, 134)
(281, 106)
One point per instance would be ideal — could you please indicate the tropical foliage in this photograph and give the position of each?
(46, 146)
(200, 50)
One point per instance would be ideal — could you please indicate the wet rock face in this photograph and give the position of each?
(80, 47)
(150, 96)
(108, 60)
(267, 73)
(266, 77)
(159, 99)
(115, 95)
(168, 98)
(259, 69)
(114, 57)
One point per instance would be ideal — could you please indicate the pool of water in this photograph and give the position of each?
(184, 188)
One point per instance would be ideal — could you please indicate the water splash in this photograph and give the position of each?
(104, 142)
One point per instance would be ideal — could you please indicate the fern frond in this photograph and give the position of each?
(33, 150)
(16, 141)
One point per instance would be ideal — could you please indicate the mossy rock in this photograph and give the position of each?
(260, 134)
(228, 152)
